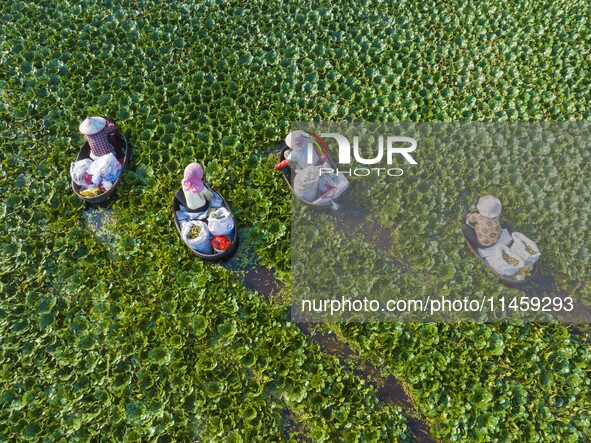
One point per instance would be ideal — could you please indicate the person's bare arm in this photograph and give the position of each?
(207, 194)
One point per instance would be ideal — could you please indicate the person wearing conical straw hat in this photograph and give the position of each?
(487, 227)
(96, 132)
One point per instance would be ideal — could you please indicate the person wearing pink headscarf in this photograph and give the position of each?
(195, 196)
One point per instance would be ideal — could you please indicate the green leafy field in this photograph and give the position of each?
(135, 340)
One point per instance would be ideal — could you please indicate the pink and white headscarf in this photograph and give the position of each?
(193, 179)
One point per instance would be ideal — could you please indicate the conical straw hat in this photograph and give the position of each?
(92, 125)
(489, 206)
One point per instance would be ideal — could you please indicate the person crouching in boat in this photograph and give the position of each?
(96, 132)
(486, 226)
(195, 196)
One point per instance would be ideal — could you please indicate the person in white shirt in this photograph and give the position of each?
(194, 196)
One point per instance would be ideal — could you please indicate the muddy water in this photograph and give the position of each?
(100, 222)
(388, 388)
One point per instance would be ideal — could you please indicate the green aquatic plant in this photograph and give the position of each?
(137, 341)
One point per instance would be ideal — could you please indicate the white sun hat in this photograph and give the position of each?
(297, 139)
(489, 206)
(92, 125)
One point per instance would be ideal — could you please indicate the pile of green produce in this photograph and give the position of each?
(194, 232)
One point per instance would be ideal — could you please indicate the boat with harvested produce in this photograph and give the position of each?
(524, 275)
(310, 173)
(122, 152)
(211, 234)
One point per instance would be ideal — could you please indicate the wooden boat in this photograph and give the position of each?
(121, 150)
(216, 257)
(320, 203)
(508, 279)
